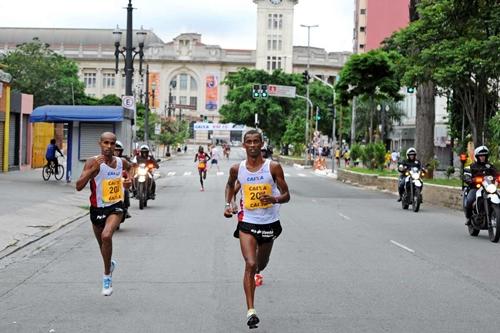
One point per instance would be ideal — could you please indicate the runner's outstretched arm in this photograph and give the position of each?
(90, 170)
(230, 189)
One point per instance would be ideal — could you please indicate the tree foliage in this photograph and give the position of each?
(455, 44)
(282, 119)
(369, 74)
(49, 77)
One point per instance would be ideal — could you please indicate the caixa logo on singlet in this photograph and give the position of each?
(113, 173)
(252, 179)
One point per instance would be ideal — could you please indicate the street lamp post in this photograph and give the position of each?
(307, 85)
(129, 53)
(382, 108)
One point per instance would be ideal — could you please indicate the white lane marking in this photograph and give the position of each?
(171, 173)
(220, 173)
(344, 217)
(298, 166)
(402, 246)
(287, 174)
(187, 173)
(301, 175)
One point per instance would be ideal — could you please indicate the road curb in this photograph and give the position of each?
(13, 248)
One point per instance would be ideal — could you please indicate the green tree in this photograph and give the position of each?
(49, 77)
(369, 75)
(153, 119)
(454, 45)
(272, 111)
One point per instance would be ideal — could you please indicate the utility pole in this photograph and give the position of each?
(146, 106)
(307, 85)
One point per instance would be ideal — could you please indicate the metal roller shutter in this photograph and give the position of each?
(13, 141)
(1, 141)
(89, 138)
(24, 148)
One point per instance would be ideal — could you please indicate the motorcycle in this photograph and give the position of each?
(143, 179)
(486, 207)
(413, 189)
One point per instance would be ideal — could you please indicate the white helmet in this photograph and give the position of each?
(481, 151)
(411, 151)
(118, 145)
(144, 148)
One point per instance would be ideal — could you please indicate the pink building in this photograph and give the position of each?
(376, 20)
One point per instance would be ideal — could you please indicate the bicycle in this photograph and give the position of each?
(49, 170)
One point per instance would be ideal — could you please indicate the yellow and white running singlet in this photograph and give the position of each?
(253, 186)
(107, 187)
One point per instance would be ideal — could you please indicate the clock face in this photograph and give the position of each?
(276, 2)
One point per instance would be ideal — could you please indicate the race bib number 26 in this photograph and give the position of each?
(252, 194)
(112, 190)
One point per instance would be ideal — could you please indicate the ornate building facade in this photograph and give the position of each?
(185, 67)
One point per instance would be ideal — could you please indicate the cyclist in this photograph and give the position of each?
(50, 155)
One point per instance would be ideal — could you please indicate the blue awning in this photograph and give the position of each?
(67, 113)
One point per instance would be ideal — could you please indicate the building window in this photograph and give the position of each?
(183, 100)
(362, 11)
(274, 63)
(193, 85)
(280, 44)
(362, 29)
(193, 101)
(275, 21)
(90, 79)
(183, 82)
(269, 42)
(361, 46)
(108, 80)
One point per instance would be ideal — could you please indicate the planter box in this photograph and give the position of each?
(446, 196)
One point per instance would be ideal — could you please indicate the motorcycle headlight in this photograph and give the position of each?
(415, 175)
(142, 172)
(491, 188)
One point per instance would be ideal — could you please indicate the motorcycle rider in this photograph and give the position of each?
(126, 201)
(480, 167)
(410, 162)
(146, 158)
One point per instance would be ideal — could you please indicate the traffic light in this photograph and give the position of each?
(305, 77)
(410, 90)
(256, 91)
(263, 91)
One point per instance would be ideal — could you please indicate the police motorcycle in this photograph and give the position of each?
(143, 181)
(144, 177)
(486, 207)
(412, 187)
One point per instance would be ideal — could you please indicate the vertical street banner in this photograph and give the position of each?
(154, 82)
(211, 92)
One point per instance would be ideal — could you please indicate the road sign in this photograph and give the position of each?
(128, 102)
(184, 106)
(158, 129)
(281, 91)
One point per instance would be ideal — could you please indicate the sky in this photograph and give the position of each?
(228, 23)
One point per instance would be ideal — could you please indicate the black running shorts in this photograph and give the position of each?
(263, 233)
(98, 215)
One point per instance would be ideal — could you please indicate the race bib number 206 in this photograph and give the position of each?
(252, 194)
(112, 190)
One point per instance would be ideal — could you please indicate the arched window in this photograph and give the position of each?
(184, 90)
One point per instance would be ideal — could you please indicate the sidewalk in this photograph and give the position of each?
(31, 208)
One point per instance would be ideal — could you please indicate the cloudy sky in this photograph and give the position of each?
(228, 23)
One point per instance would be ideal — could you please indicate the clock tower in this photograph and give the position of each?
(275, 34)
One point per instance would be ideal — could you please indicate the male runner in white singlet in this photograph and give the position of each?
(263, 189)
(105, 173)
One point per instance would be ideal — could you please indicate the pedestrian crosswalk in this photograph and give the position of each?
(223, 174)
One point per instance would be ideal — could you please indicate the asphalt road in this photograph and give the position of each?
(349, 260)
